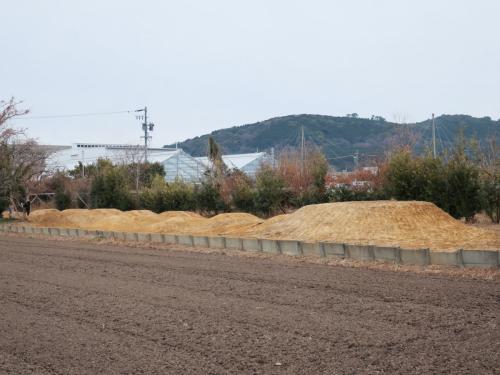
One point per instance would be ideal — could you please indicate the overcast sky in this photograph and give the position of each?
(205, 65)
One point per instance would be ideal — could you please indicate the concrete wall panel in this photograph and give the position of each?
(217, 242)
(129, 236)
(359, 252)
(446, 258)
(143, 237)
(312, 249)
(251, 244)
(332, 249)
(418, 257)
(234, 243)
(157, 237)
(200, 241)
(270, 246)
(480, 258)
(290, 247)
(185, 240)
(170, 239)
(386, 254)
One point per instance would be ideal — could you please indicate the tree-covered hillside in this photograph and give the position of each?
(342, 138)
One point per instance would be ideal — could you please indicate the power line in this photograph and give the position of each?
(72, 115)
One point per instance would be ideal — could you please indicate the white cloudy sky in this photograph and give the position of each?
(204, 65)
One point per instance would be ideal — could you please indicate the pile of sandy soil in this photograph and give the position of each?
(173, 222)
(387, 223)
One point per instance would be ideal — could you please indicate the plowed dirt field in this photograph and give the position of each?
(84, 308)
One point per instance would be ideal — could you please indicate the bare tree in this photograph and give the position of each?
(21, 159)
(302, 169)
(404, 137)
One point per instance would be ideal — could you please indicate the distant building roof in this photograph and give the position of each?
(247, 163)
(67, 157)
(177, 164)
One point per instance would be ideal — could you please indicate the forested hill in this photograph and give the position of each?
(341, 138)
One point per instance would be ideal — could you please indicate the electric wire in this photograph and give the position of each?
(90, 114)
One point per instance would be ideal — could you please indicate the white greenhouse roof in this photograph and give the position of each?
(88, 153)
(238, 161)
(177, 163)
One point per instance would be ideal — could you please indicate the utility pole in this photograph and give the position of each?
(137, 174)
(302, 150)
(147, 127)
(356, 159)
(433, 137)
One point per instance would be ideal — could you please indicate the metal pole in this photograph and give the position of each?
(302, 154)
(137, 173)
(145, 134)
(433, 136)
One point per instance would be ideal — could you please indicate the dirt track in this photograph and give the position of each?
(82, 308)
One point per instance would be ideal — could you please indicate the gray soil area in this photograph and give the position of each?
(89, 308)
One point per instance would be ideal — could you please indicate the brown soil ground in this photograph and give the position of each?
(87, 308)
(384, 223)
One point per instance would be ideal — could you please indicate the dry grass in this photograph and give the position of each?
(384, 223)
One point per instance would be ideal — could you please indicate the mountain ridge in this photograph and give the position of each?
(343, 137)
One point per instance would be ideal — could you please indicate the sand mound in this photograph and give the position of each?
(407, 224)
(387, 223)
(173, 222)
(179, 214)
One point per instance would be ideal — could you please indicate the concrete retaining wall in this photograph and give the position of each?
(359, 252)
(330, 249)
(269, 246)
(185, 240)
(290, 247)
(170, 238)
(387, 254)
(467, 258)
(200, 241)
(131, 236)
(251, 244)
(143, 237)
(157, 237)
(314, 249)
(234, 243)
(480, 258)
(419, 256)
(216, 242)
(446, 258)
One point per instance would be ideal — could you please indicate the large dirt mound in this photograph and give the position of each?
(173, 222)
(407, 224)
(388, 223)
